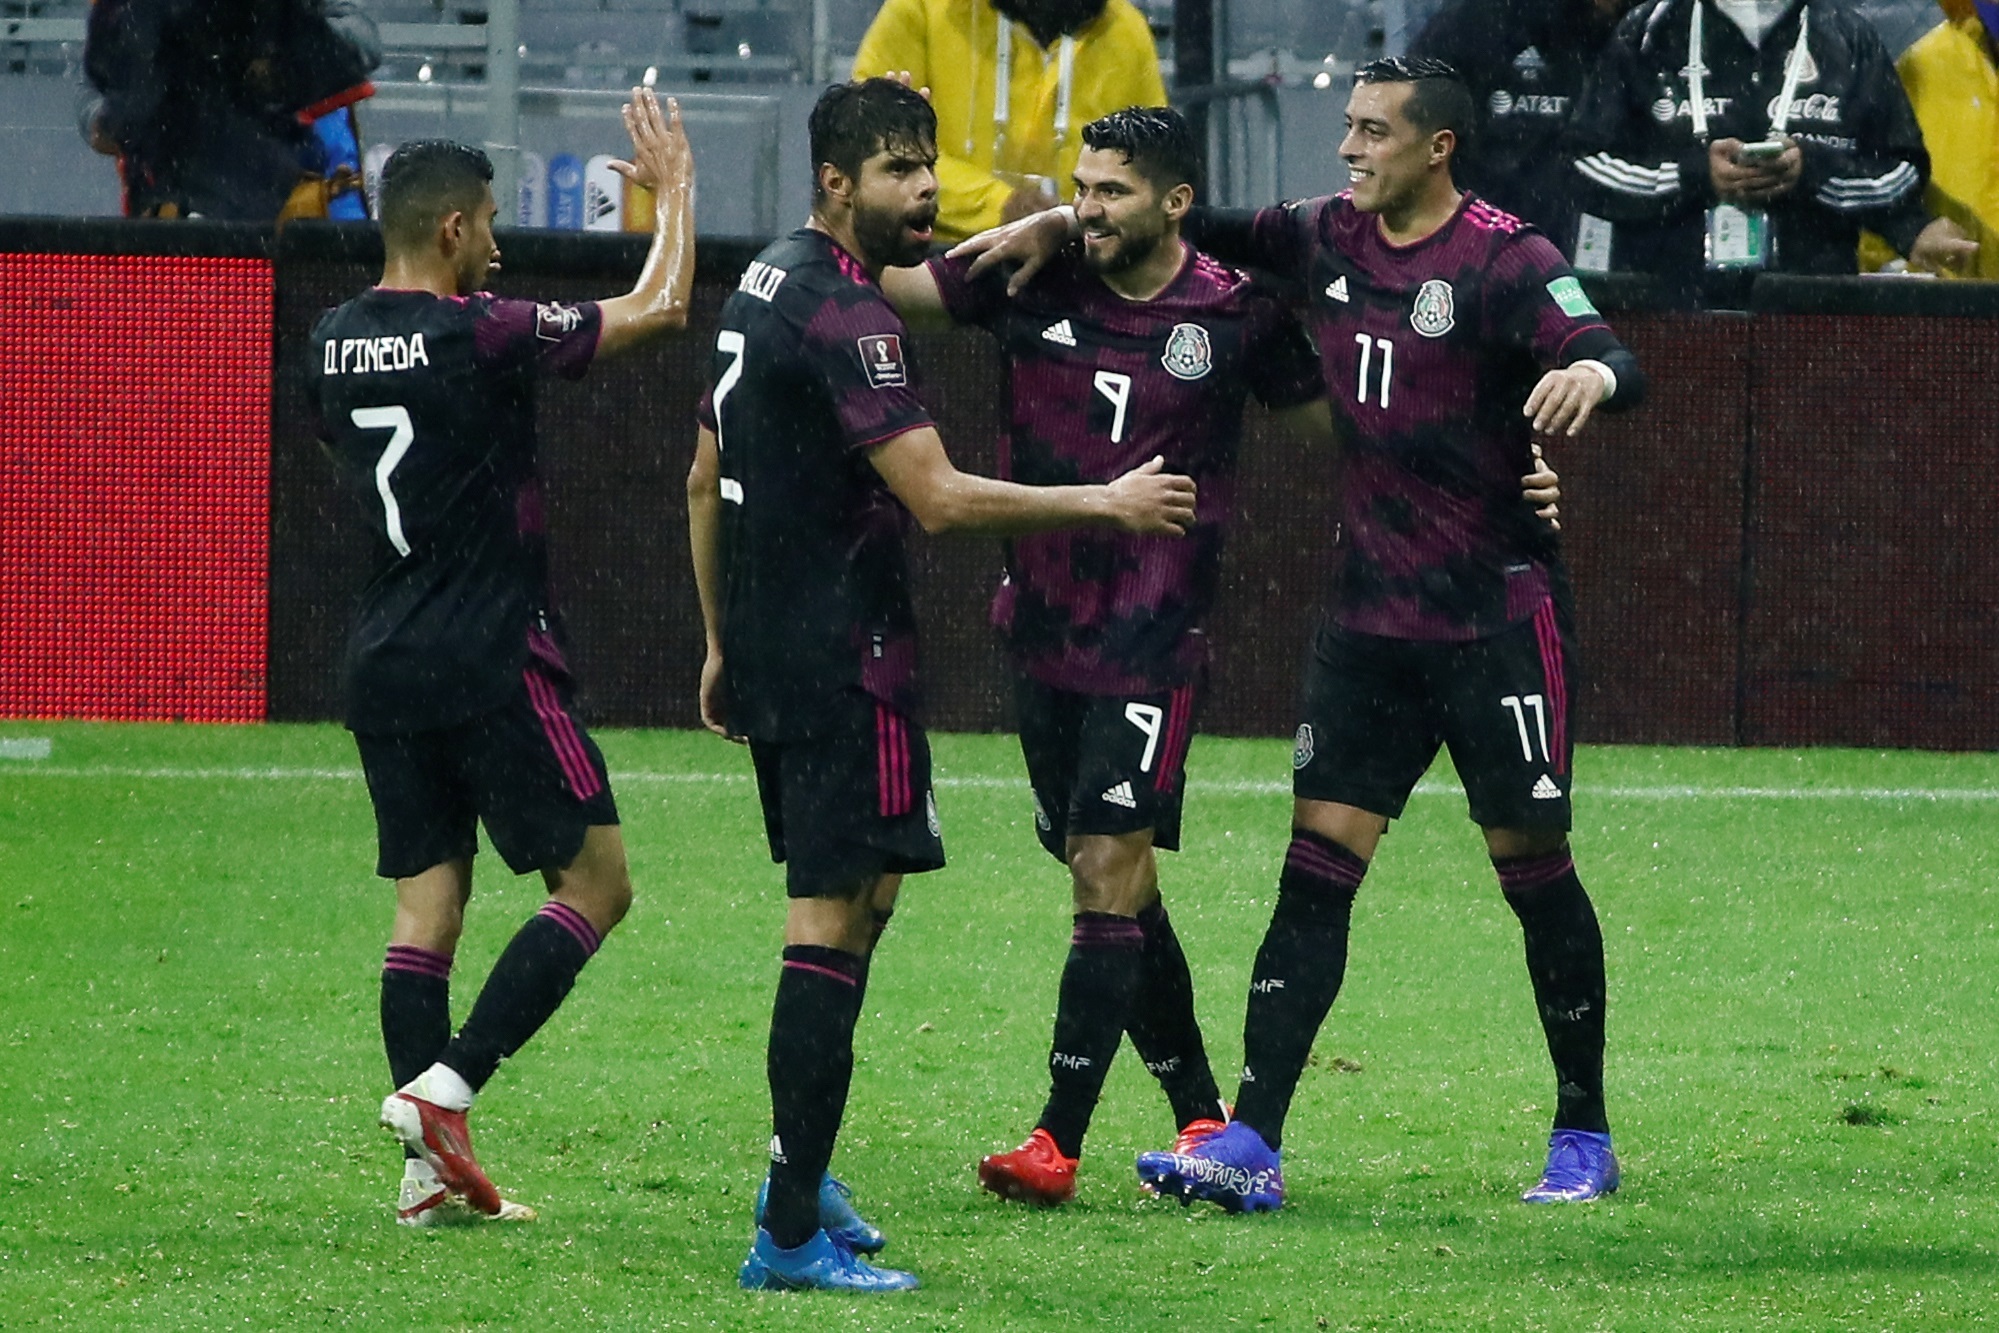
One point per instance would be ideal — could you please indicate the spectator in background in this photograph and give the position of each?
(1526, 62)
(1952, 78)
(1726, 137)
(210, 105)
(1063, 63)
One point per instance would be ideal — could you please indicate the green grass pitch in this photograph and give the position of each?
(1802, 949)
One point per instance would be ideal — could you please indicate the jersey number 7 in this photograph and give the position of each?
(402, 433)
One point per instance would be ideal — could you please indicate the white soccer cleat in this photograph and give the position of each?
(425, 1202)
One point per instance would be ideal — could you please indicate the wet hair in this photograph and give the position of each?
(1441, 100)
(1155, 139)
(424, 180)
(851, 122)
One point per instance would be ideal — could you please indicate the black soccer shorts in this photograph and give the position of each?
(527, 769)
(1104, 763)
(1377, 709)
(841, 811)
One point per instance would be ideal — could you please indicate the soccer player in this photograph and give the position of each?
(457, 690)
(1137, 346)
(1451, 333)
(813, 452)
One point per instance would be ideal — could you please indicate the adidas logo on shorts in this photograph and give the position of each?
(1121, 795)
(1546, 790)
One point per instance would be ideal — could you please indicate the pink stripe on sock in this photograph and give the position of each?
(822, 971)
(573, 921)
(1533, 874)
(1316, 859)
(1117, 933)
(560, 729)
(409, 958)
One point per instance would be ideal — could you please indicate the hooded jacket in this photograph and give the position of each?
(1642, 165)
(1953, 84)
(953, 46)
(1526, 62)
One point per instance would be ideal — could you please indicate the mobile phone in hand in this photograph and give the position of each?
(1760, 154)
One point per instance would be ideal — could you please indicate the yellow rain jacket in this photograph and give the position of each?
(1954, 86)
(953, 48)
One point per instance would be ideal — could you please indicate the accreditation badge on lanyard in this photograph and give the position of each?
(1741, 238)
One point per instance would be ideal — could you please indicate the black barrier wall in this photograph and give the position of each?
(1791, 544)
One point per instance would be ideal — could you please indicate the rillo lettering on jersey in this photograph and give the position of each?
(372, 356)
(761, 280)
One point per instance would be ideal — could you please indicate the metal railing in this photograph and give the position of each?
(1238, 175)
(748, 124)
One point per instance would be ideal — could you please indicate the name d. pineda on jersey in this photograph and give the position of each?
(372, 356)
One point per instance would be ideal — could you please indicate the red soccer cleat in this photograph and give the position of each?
(1196, 1132)
(441, 1138)
(1036, 1172)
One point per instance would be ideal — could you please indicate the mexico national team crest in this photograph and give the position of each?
(1436, 309)
(1189, 354)
(1301, 749)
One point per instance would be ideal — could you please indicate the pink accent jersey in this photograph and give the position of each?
(1096, 385)
(1430, 351)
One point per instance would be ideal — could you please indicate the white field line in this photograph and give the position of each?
(1234, 787)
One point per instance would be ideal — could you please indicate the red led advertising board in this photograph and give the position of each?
(135, 401)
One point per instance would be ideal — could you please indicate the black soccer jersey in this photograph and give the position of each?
(811, 368)
(1098, 384)
(426, 405)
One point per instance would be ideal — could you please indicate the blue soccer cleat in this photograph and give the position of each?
(1580, 1166)
(820, 1264)
(1234, 1168)
(837, 1216)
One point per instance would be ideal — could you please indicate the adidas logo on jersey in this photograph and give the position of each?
(1121, 795)
(1338, 289)
(1546, 790)
(1060, 332)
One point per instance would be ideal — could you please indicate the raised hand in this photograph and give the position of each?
(661, 157)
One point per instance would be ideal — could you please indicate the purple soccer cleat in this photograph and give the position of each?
(1580, 1166)
(1234, 1168)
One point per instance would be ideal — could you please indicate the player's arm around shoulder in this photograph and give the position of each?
(1146, 499)
(663, 163)
(917, 298)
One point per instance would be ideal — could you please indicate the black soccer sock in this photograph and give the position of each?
(1163, 1028)
(416, 1011)
(810, 1063)
(1565, 962)
(525, 988)
(1099, 982)
(1297, 976)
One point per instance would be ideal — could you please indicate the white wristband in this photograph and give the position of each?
(1609, 378)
